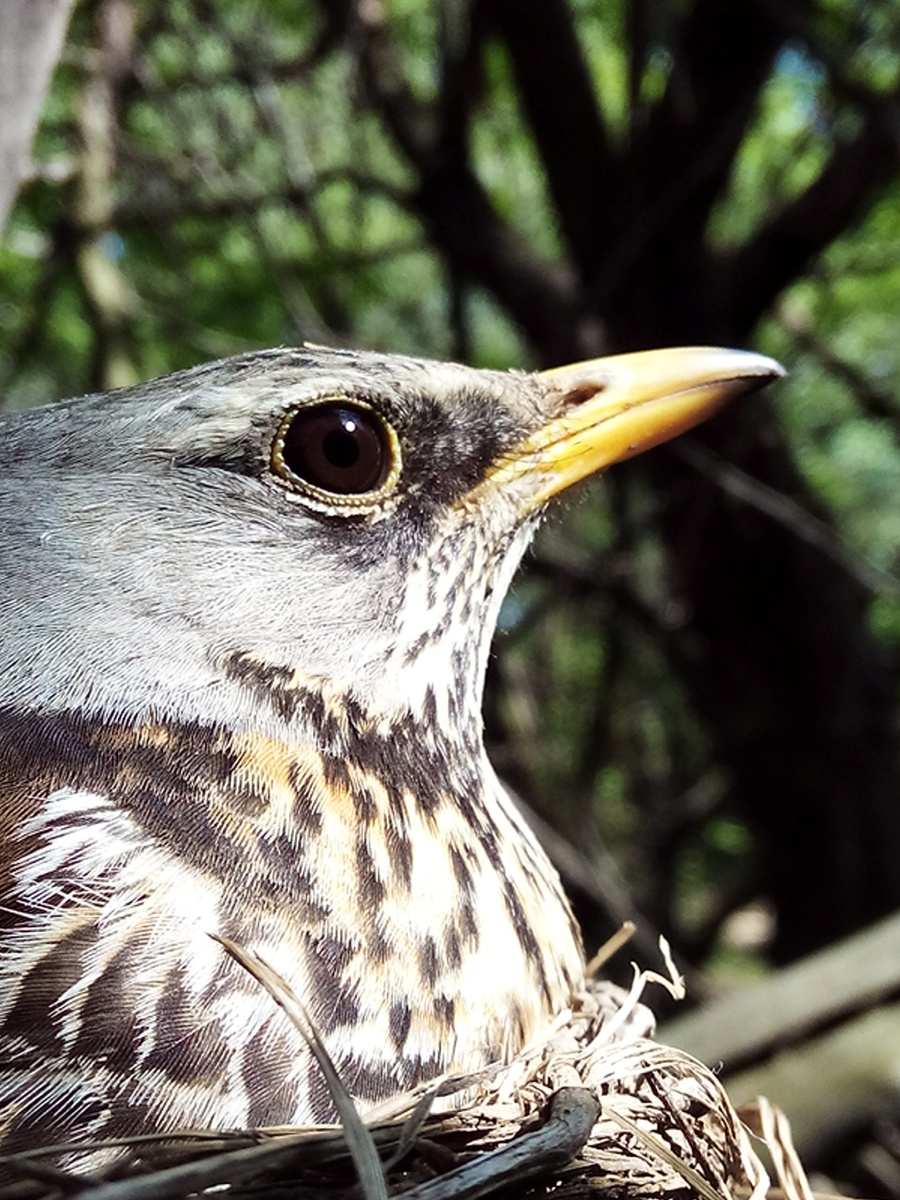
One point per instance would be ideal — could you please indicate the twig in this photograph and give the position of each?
(785, 511)
(573, 1113)
(611, 946)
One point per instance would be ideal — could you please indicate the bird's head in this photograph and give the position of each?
(346, 519)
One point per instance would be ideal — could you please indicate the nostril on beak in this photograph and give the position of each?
(582, 393)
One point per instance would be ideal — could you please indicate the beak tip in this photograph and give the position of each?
(761, 365)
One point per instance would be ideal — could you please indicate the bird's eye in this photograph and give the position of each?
(337, 448)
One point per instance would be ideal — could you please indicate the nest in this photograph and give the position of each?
(595, 1109)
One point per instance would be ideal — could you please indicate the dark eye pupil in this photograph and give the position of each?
(341, 448)
(337, 448)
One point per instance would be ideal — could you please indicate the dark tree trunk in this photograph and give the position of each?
(794, 689)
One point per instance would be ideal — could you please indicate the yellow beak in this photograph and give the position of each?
(614, 408)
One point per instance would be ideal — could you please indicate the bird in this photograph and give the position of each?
(246, 613)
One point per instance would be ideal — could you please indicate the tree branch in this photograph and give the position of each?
(746, 281)
(457, 212)
(561, 110)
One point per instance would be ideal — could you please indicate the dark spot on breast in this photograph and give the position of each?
(488, 841)
(468, 924)
(244, 801)
(267, 1060)
(307, 799)
(400, 853)
(428, 961)
(415, 1070)
(415, 648)
(312, 704)
(365, 804)
(54, 973)
(358, 718)
(443, 624)
(188, 1046)
(368, 1081)
(378, 947)
(281, 859)
(321, 1104)
(129, 1115)
(369, 884)
(400, 1021)
(377, 1081)
(335, 772)
(109, 1029)
(452, 950)
(333, 1000)
(333, 954)
(525, 934)
(444, 1011)
(460, 660)
(461, 872)
(343, 1007)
